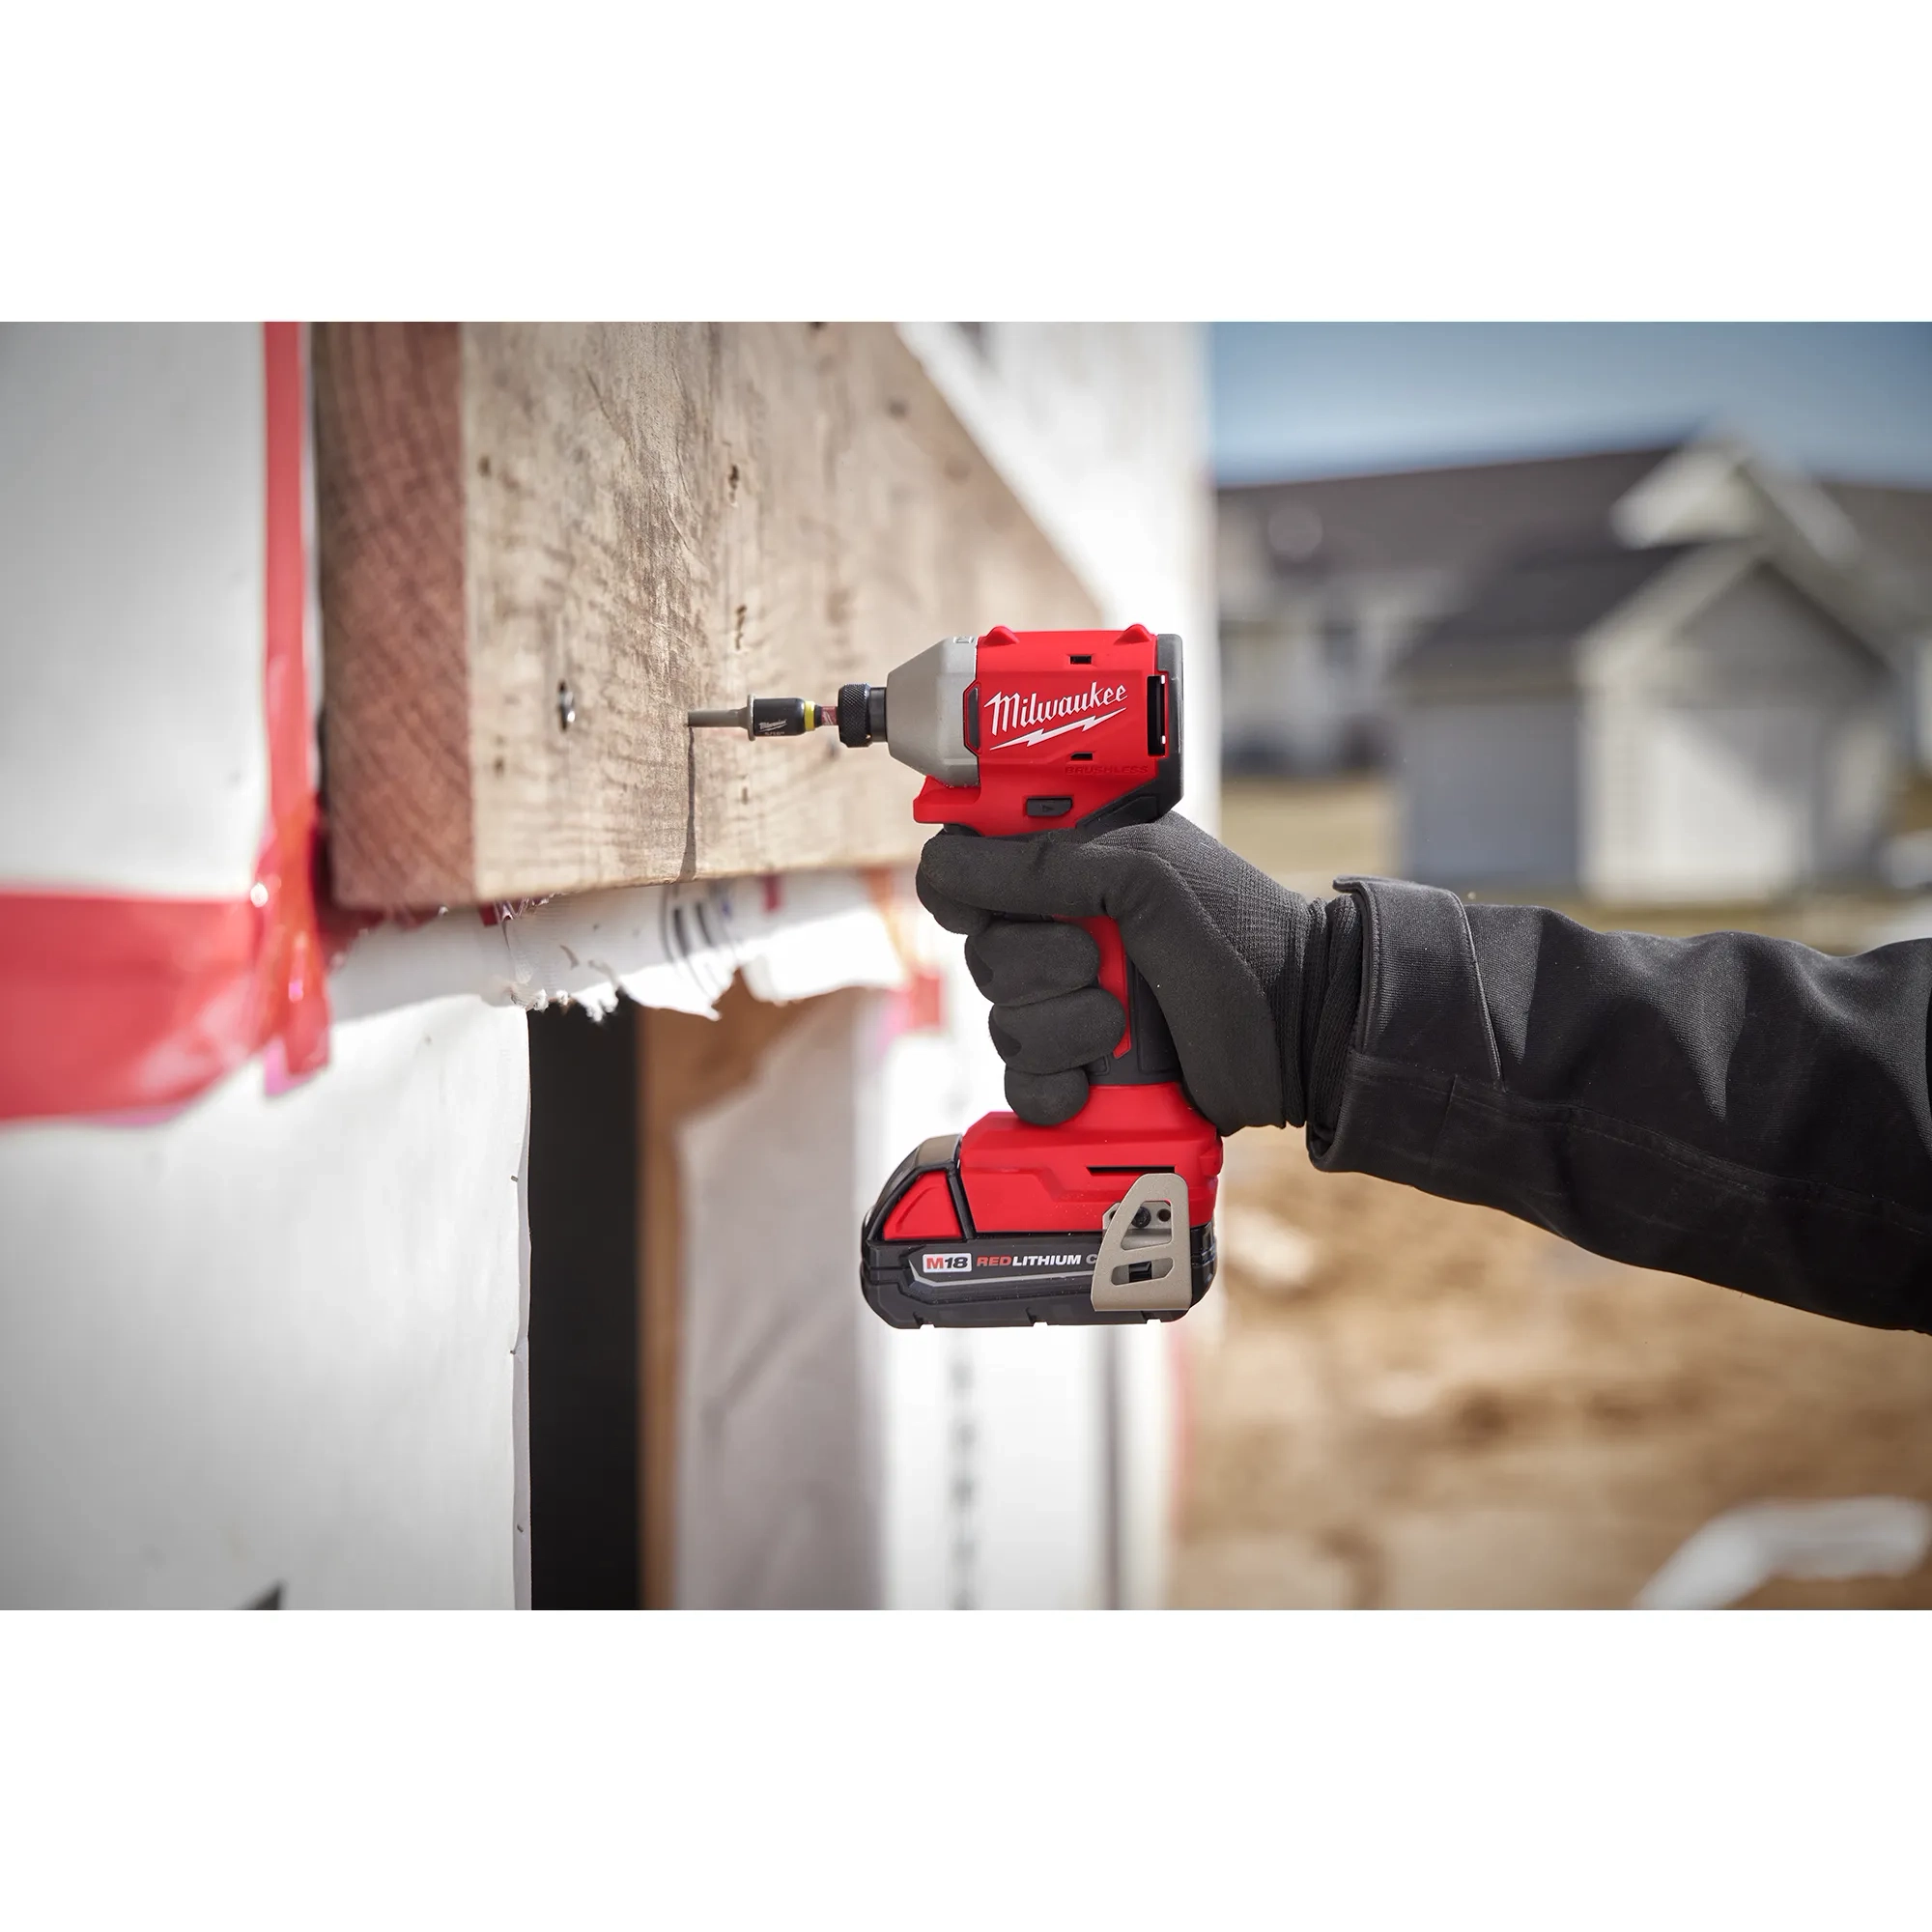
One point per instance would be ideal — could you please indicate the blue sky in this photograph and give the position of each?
(1307, 399)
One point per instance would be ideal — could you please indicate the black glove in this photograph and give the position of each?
(1256, 983)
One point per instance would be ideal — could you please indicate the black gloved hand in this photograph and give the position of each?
(1256, 983)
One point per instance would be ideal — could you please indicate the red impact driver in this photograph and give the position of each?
(1109, 1216)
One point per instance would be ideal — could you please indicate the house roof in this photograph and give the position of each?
(1528, 624)
(1890, 517)
(1461, 517)
(1895, 523)
(1533, 611)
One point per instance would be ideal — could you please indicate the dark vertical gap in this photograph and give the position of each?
(584, 1309)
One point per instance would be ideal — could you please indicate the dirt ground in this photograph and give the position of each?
(1455, 1408)
(1398, 1401)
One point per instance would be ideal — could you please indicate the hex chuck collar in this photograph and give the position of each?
(861, 715)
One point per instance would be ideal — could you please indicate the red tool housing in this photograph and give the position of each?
(1065, 724)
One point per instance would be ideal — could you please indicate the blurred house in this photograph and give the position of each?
(1894, 530)
(1323, 584)
(1671, 671)
(1681, 721)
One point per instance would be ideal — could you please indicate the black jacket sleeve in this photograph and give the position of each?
(1737, 1108)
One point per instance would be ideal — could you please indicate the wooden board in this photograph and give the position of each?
(542, 544)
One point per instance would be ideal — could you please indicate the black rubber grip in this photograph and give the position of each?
(1150, 1056)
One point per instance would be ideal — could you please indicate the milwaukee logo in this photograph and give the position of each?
(1036, 718)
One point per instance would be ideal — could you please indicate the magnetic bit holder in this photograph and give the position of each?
(766, 718)
(1144, 1265)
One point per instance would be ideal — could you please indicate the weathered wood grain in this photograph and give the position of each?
(654, 516)
(389, 528)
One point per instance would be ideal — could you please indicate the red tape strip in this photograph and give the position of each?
(127, 1004)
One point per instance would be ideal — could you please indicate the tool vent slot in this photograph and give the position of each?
(1157, 717)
